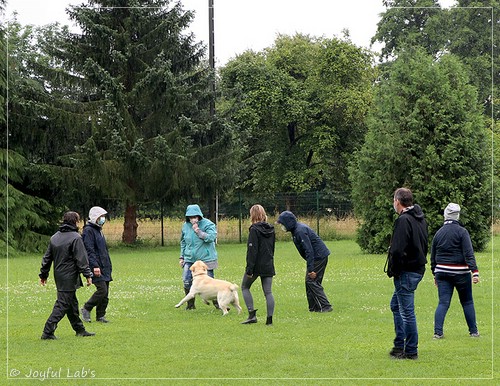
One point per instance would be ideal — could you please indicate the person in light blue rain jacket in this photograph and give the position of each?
(198, 237)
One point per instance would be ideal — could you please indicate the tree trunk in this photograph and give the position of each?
(130, 224)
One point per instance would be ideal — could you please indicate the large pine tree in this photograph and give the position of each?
(144, 87)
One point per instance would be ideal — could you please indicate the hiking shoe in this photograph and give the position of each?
(85, 315)
(410, 356)
(474, 335)
(85, 333)
(48, 337)
(102, 319)
(437, 336)
(396, 352)
(327, 309)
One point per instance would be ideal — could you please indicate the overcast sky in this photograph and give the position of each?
(246, 24)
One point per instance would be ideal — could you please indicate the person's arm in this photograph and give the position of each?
(470, 259)
(89, 242)
(252, 249)
(183, 247)
(307, 249)
(399, 243)
(82, 261)
(208, 231)
(46, 264)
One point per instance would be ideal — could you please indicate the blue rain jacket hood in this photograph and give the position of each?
(193, 210)
(288, 219)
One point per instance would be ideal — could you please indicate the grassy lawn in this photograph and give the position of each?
(150, 342)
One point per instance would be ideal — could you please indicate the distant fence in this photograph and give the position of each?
(330, 215)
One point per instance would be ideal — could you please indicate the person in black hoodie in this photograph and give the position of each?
(314, 251)
(260, 262)
(67, 252)
(406, 264)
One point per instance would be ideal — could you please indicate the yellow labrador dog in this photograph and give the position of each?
(210, 289)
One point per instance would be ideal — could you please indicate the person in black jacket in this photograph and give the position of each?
(100, 263)
(67, 252)
(406, 264)
(452, 262)
(314, 251)
(260, 262)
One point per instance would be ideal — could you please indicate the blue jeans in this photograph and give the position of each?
(187, 275)
(446, 283)
(403, 310)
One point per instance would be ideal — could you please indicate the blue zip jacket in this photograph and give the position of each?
(307, 242)
(452, 246)
(97, 250)
(198, 246)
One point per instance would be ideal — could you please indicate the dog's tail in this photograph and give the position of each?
(234, 287)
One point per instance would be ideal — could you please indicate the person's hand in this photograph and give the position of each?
(43, 282)
(475, 279)
(181, 262)
(312, 275)
(196, 227)
(97, 272)
(435, 282)
(89, 281)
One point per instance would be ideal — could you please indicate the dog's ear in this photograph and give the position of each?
(192, 268)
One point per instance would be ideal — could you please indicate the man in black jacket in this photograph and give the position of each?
(67, 252)
(407, 259)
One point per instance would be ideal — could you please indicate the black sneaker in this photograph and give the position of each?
(85, 315)
(438, 336)
(410, 356)
(48, 337)
(396, 352)
(85, 333)
(404, 355)
(102, 320)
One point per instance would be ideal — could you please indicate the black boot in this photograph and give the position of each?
(269, 321)
(190, 303)
(251, 317)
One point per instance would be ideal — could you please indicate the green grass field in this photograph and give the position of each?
(150, 342)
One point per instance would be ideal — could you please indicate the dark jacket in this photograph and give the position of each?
(97, 250)
(67, 251)
(409, 246)
(260, 250)
(308, 243)
(452, 246)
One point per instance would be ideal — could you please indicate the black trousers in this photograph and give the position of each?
(66, 304)
(99, 299)
(314, 290)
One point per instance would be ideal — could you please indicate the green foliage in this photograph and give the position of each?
(470, 30)
(426, 133)
(121, 109)
(24, 219)
(149, 342)
(300, 107)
